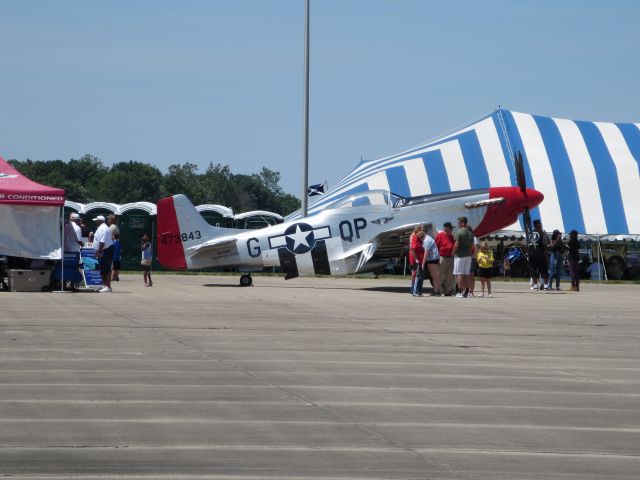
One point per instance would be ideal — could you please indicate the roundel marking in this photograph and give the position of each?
(299, 238)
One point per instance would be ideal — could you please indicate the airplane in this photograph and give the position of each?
(355, 234)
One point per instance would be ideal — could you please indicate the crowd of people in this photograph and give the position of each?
(453, 259)
(547, 255)
(105, 241)
(450, 255)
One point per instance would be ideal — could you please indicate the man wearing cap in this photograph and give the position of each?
(444, 242)
(103, 245)
(462, 256)
(72, 234)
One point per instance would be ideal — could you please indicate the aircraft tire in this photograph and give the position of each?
(246, 280)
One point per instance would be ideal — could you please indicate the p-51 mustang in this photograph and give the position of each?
(355, 234)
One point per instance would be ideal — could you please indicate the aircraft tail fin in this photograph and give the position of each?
(180, 228)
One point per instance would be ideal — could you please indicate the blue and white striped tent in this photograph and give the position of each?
(587, 171)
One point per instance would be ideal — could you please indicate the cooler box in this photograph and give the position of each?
(29, 280)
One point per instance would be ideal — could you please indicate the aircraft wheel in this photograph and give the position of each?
(246, 280)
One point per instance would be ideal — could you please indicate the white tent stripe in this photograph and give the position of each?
(455, 166)
(378, 181)
(540, 170)
(491, 148)
(585, 175)
(627, 168)
(417, 177)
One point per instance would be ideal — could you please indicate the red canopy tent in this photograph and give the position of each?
(29, 216)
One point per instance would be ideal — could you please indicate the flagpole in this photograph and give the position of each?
(305, 129)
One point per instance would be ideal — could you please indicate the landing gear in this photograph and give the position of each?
(246, 280)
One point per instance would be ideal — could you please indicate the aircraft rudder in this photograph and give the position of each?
(170, 250)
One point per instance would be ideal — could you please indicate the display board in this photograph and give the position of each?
(90, 268)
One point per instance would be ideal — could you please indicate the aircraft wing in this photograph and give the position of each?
(386, 245)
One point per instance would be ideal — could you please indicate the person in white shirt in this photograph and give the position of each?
(103, 245)
(432, 261)
(72, 234)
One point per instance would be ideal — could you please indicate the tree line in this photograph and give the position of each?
(87, 180)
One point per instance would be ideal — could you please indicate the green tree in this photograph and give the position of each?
(186, 180)
(218, 186)
(87, 179)
(271, 180)
(131, 182)
(287, 204)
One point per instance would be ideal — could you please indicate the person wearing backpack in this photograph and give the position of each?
(556, 263)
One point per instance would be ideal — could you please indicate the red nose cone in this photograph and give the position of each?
(506, 213)
(531, 199)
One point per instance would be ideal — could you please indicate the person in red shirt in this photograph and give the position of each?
(419, 253)
(444, 242)
(416, 253)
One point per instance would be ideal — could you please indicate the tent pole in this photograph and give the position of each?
(601, 258)
(62, 290)
(305, 128)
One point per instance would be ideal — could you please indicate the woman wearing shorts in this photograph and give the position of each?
(432, 261)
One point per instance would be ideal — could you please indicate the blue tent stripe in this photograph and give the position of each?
(398, 183)
(562, 174)
(607, 176)
(436, 172)
(631, 134)
(518, 146)
(473, 159)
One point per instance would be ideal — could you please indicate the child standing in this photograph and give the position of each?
(485, 267)
(147, 256)
(117, 252)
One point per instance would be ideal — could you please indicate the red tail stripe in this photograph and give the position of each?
(170, 251)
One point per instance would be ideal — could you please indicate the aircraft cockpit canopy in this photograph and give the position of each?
(380, 198)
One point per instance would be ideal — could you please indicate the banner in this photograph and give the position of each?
(90, 268)
(30, 231)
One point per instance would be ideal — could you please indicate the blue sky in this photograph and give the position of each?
(218, 81)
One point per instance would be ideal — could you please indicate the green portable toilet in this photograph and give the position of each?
(135, 219)
(92, 210)
(72, 207)
(216, 215)
(257, 219)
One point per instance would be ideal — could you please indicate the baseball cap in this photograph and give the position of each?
(75, 216)
(99, 218)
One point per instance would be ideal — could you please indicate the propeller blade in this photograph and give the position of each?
(520, 176)
(528, 230)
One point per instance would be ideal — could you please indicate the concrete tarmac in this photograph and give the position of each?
(319, 378)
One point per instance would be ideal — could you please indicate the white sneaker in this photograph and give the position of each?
(534, 287)
(490, 296)
(104, 289)
(481, 295)
(459, 295)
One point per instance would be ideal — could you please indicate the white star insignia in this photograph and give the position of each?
(299, 238)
